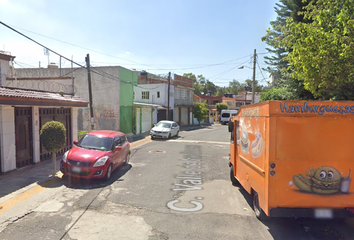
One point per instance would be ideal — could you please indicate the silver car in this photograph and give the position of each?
(165, 129)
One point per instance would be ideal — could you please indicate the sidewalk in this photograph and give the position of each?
(19, 181)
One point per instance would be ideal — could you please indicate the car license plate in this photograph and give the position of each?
(323, 213)
(76, 169)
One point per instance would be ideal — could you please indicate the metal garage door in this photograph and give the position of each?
(23, 135)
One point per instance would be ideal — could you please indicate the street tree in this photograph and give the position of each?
(221, 106)
(234, 87)
(323, 49)
(53, 138)
(200, 111)
(276, 94)
(201, 85)
(278, 65)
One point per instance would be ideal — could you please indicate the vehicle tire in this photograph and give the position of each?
(109, 172)
(257, 209)
(152, 137)
(232, 177)
(126, 162)
(169, 136)
(177, 134)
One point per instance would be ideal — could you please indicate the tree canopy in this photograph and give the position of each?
(200, 111)
(221, 106)
(278, 65)
(53, 138)
(323, 48)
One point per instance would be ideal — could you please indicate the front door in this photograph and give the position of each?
(23, 134)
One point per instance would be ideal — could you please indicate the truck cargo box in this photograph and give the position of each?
(295, 157)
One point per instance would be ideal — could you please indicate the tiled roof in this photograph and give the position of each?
(36, 95)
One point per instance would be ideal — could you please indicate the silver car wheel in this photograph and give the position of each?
(109, 172)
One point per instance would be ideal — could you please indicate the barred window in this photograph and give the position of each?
(184, 94)
(145, 95)
(178, 93)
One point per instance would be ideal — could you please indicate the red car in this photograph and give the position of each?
(96, 155)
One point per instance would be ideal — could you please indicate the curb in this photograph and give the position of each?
(10, 200)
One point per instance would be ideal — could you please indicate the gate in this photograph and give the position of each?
(23, 135)
(62, 115)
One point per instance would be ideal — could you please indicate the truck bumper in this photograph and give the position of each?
(311, 213)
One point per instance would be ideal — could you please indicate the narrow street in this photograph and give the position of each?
(172, 189)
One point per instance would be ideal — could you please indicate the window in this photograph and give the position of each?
(158, 94)
(178, 93)
(145, 95)
(184, 94)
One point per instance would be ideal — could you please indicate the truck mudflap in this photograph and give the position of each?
(320, 213)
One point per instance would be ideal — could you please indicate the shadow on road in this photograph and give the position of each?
(78, 183)
(302, 228)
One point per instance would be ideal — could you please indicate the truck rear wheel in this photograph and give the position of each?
(257, 209)
(232, 176)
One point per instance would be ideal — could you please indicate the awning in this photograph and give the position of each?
(138, 104)
(15, 96)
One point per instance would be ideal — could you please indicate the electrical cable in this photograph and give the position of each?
(82, 47)
(41, 44)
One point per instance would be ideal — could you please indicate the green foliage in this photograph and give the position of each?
(81, 134)
(323, 49)
(278, 64)
(201, 85)
(200, 111)
(221, 106)
(53, 136)
(276, 94)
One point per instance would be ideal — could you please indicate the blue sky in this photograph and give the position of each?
(212, 38)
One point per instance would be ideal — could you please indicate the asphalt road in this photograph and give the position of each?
(172, 189)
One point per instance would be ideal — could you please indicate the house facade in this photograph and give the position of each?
(245, 98)
(23, 113)
(111, 93)
(156, 98)
(183, 104)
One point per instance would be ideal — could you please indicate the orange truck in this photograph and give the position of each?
(295, 157)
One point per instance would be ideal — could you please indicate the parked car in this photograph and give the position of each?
(165, 129)
(96, 155)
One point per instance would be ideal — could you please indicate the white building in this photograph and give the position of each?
(23, 112)
(152, 101)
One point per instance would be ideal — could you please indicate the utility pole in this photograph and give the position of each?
(87, 59)
(168, 96)
(254, 75)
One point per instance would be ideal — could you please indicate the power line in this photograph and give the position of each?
(41, 44)
(83, 47)
(149, 65)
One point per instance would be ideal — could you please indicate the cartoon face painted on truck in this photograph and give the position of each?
(324, 180)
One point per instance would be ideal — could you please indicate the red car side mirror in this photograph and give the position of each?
(75, 142)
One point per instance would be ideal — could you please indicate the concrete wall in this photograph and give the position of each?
(138, 117)
(4, 71)
(183, 102)
(153, 89)
(7, 138)
(128, 79)
(36, 135)
(105, 83)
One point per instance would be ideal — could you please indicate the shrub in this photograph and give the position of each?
(53, 138)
